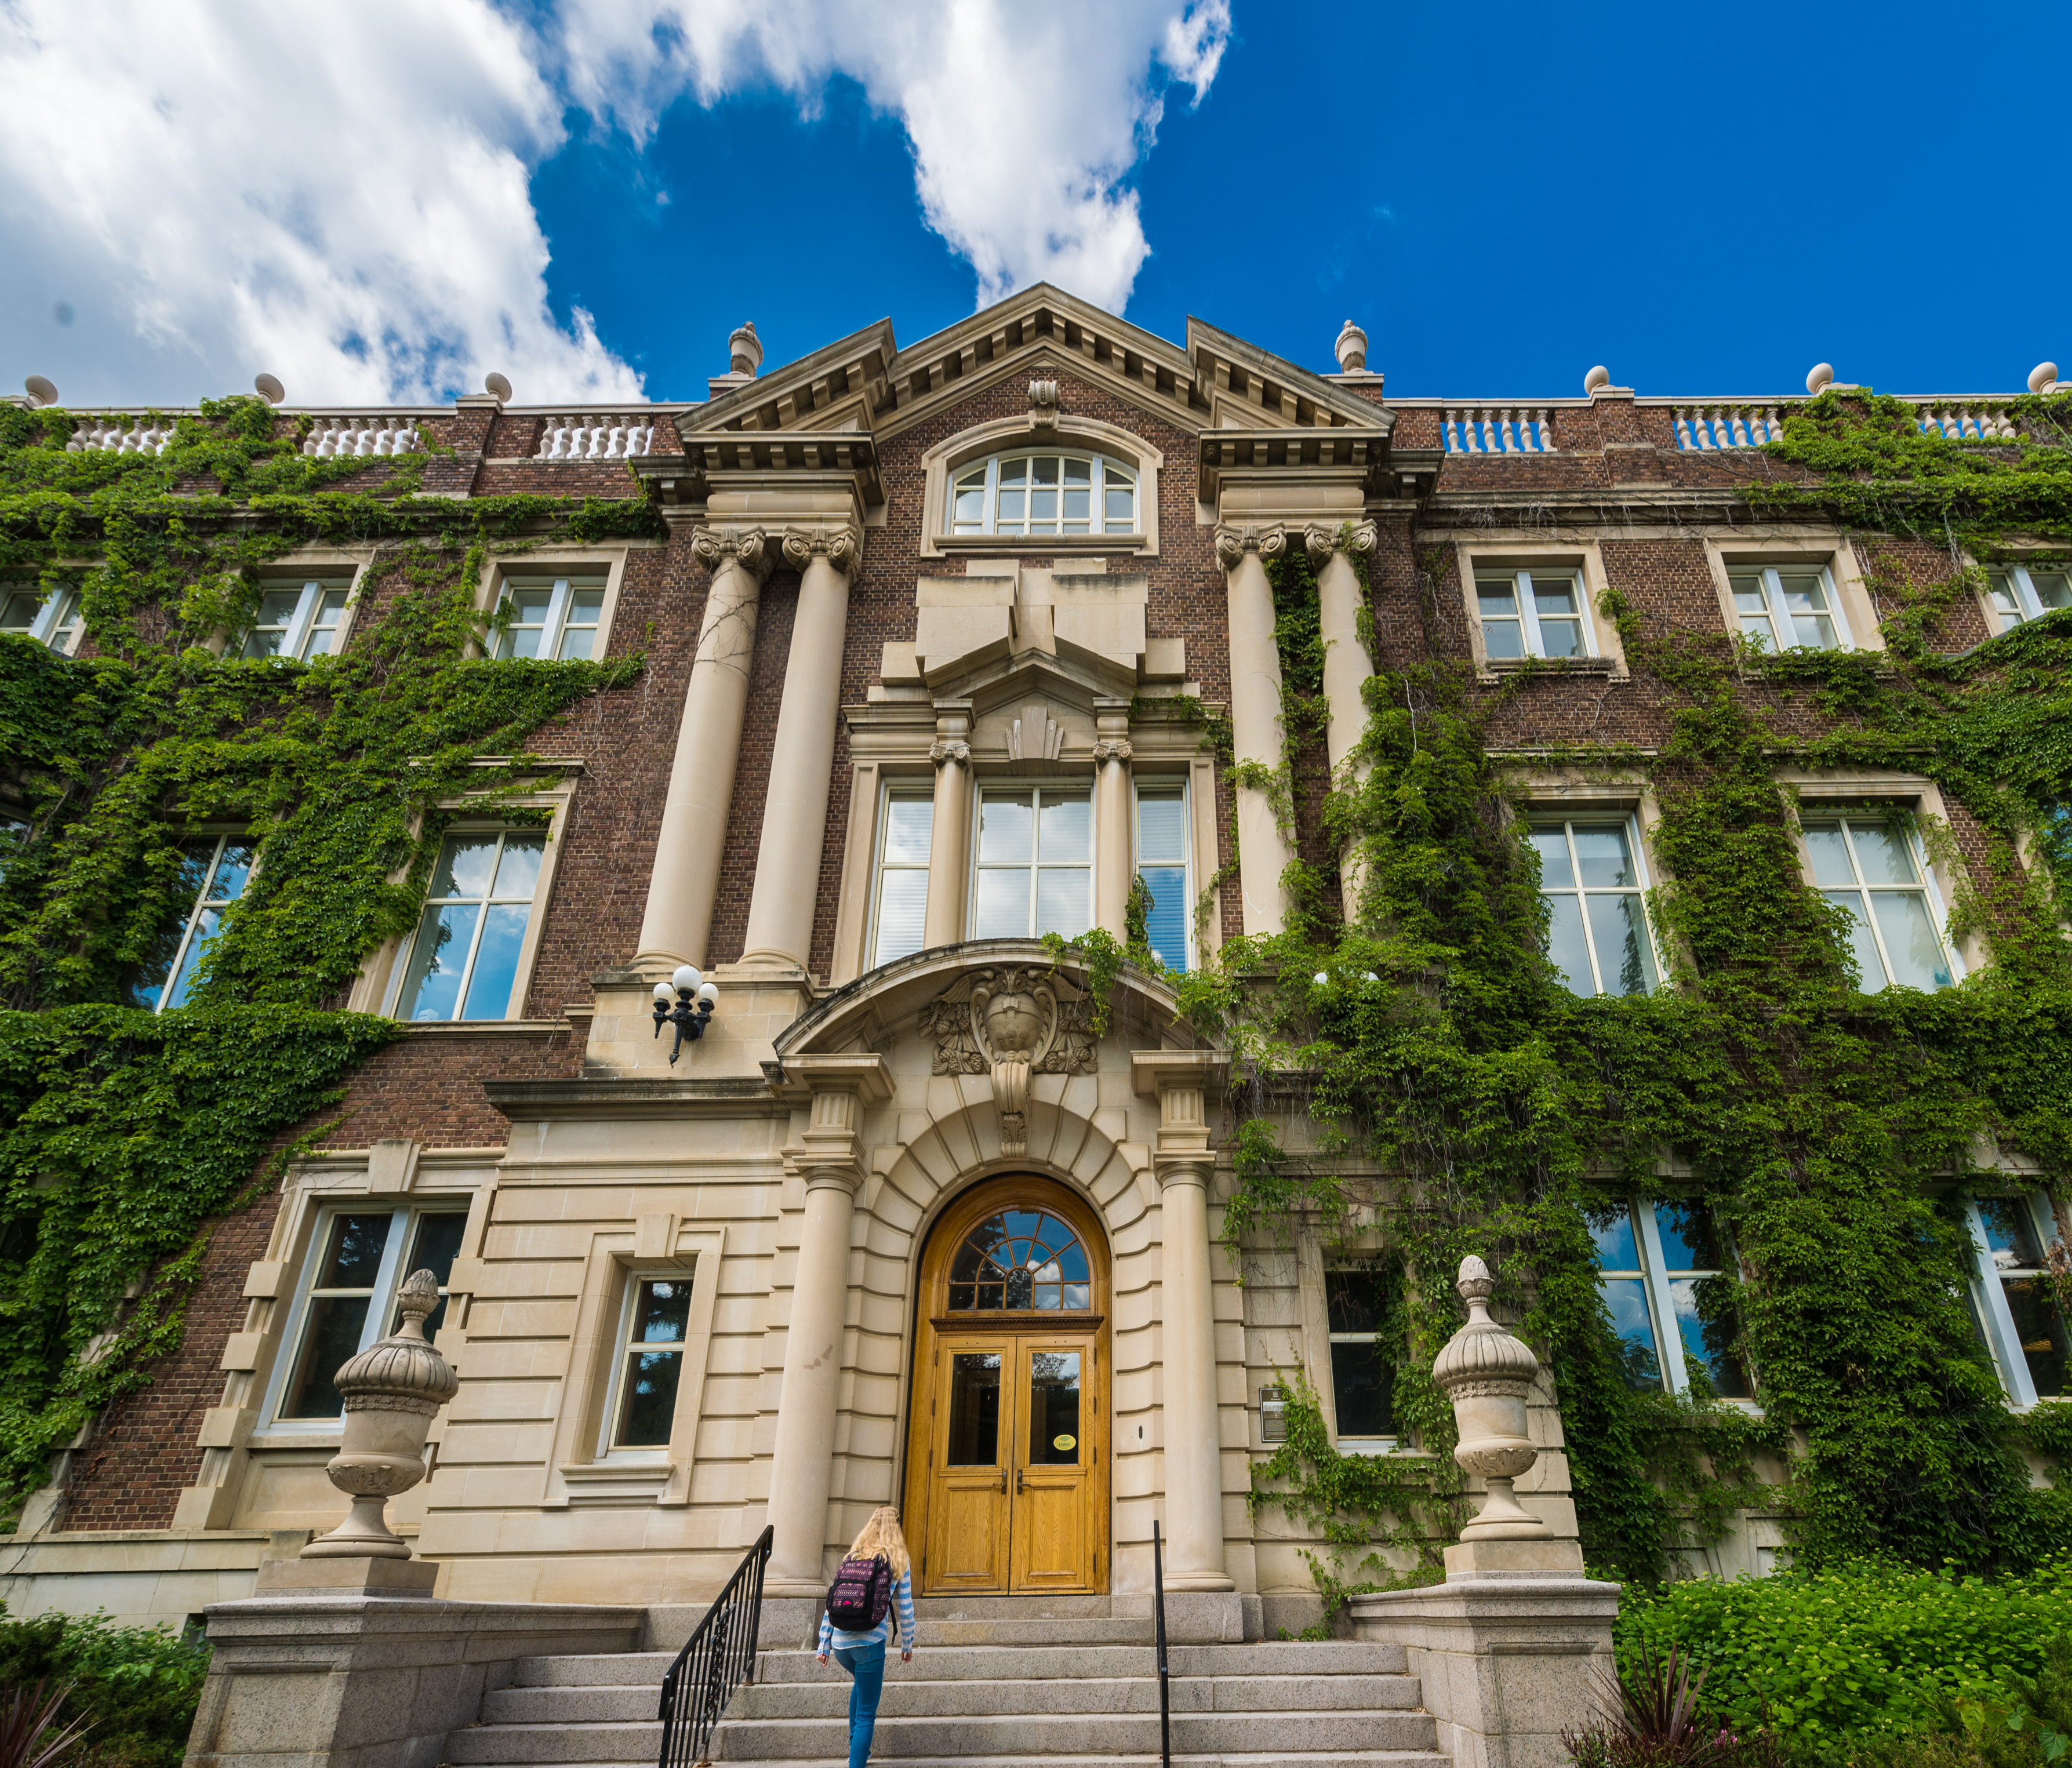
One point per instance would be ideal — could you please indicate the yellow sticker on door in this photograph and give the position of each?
(1064, 1442)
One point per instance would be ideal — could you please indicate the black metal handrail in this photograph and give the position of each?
(718, 1658)
(1158, 1614)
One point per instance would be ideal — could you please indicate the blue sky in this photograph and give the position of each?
(589, 195)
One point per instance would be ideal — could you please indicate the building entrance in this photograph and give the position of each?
(1007, 1465)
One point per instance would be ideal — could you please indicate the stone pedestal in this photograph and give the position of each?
(339, 1679)
(367, 1576)
(1505, 1657)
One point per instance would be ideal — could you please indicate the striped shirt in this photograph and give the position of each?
(833, 1639)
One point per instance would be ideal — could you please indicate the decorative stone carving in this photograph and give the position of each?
(1011, 1023)
(748, 547)
(1042, 403)
(1486, 1373)
(949, 749)
(744, 350)
(1350, 349)
(1112, 749)
(841, 546)
(393, 1392)
(1035, 736)
(1358, 539)
(1232, 543)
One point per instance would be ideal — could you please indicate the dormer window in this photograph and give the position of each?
(1044, 494)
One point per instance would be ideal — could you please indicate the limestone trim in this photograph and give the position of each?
(1066, 432)
(581, 1467)
(1791, 544)
(1501, 550)
(501, 567)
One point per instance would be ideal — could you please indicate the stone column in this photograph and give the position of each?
(688, 846)
(949, 831)
(802, 1460)
(1346, 664)
(1264, 850)
(1114, 849)
(795, 810)
(1193, 1435)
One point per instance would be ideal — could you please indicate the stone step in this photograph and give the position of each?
(1294, 1758)
(1011, 1608)
(1111, 1733)
(1091, 1630)
(974, 1662)
(1289, 1657)
(647, 1667)
(533, 1746)
(1087, 1693)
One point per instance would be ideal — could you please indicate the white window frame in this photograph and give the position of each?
(1815, 810)
(896, 792)
(1779, 615)
(302, 623)
(554, 628)
(608, 1448)
(521, 982)
(1565, 817)
(547, 565)
(57, 617)
(1097, 524)
(2029, 605)
(1069, 788)
(202, 900)
(1655, 1279)
(1528, 608)
(1991, 1300)
(1348, 1445)
(1161, 785)
(387, 1280)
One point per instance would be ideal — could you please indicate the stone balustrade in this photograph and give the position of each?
(123, 435)
(1496, 429)
(334, 438)
(1712, 426)
(1976, 419)
(589, 437)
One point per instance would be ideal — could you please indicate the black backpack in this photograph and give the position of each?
(860, 1594)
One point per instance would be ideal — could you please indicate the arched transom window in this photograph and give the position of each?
(1044, 494)
(1020, 1259)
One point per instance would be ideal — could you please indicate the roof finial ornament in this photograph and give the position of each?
(2043, 377)
(40, 389)
(1351, 349)
(744, 350)
(1819, 377)
(1598, 376)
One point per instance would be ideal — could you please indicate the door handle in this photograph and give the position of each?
(1018, 1482)
(1003, 1481)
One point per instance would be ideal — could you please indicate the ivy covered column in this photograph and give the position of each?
(1257, 738)
(1347, 666)
(678, 920)
(1192, 1430)
(795, 812)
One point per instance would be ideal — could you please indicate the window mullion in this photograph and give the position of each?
(1993, 1308)
(2032, 603)
(1528, 615)
(298, 634)
(1035, 853)
(386, 1281)
(1661, 1299)
(1783, 635)
(1583, 906)
(992, 523)
(557, 612)
(475, 938)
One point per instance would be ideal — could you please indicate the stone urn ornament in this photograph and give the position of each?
(393, 1392)
(1487, 1373)
(1013, 1019)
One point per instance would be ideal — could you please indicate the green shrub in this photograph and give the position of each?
(139, 1685)
(1828, 1657)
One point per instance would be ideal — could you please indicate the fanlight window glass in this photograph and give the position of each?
(1020, 1260)
(1044, 494)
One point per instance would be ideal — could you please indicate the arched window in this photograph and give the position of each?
(1018, 1259)
(1044, 494)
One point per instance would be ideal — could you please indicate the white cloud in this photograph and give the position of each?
(335, 193)
(1024, 120)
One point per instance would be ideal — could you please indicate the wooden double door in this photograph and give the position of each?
(1008, 1454)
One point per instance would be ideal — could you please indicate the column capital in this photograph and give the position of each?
(1355, 539)
(841, 546)
(950, 749)
(748, 547)
(1113, 749)
(1181, 1080)
(1231, 544)
(840, 1088)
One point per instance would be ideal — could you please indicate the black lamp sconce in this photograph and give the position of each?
(694, 999)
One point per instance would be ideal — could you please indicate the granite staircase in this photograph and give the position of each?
(1002, 1682)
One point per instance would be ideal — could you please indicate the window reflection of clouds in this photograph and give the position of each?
(1018, 1259)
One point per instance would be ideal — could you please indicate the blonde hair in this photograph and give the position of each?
(881, 1535)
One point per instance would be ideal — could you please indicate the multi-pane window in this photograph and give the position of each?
(1597, 932)
(2011, 1234)
(360, 1259)
(1162, 863)
(555, 619)
(214, 871)
(51, 619)
(1021, 1259)
(1872, 868)
(1532, 613)
(2021, 595)
(1781, 606)
(1651, 1257)
(463, 963)
(903, 876)
(650, 1366)
(1363, 1378)
(301, 620)
(1044, 494)
(1035, 868)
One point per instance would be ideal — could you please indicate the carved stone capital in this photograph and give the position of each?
(841, 546)
(1042, 403)
(949, 749)
(1113, 749)
(1232, 543)
(1358, 539)
(749, 548)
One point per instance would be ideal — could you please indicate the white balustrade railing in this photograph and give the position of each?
(587, 438)
(124, 435)
(1707, 428)
(1958, 419)
(334, 438)
(1496, 429)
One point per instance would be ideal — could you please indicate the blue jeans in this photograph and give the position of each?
(865, 1664)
